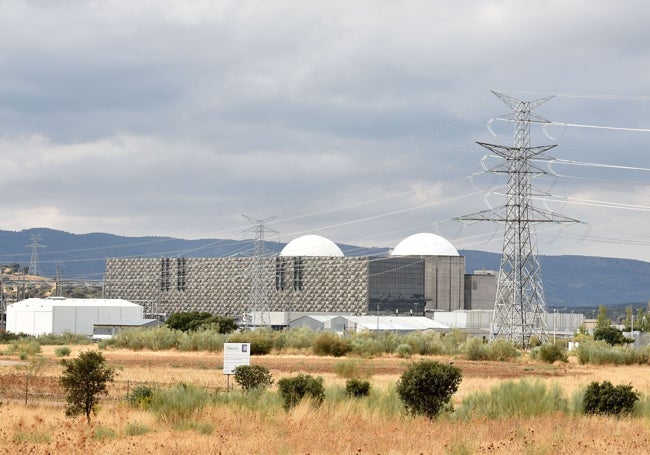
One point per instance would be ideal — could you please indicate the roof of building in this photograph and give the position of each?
(424, 244)
(311, 245)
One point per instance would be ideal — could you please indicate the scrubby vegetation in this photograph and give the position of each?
(250, 377)
(605, 398)
(292, 390)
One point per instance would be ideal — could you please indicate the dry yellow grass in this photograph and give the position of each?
(40, 427)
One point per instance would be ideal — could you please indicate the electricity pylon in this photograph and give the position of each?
(33, 263)
(519, 308)
(258, 296)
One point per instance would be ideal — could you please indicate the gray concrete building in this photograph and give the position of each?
(423, 273)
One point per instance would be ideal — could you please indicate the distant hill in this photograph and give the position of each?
(569, 281)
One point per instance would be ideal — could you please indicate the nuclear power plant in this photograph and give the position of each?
(423, 273)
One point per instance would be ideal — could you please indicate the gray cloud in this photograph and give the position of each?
(357, 121)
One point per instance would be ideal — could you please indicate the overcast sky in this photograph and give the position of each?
(355, 120)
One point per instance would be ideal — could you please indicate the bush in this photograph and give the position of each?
(604, 398)
(62, 351)
(357, 388)
(353, 369)
(512, 399)
(294, 389)
(261, 340)
(550, 353)
(404, 351)
(179, 403)
(140, 396)
(426, 387)
(253, 377)
(328, 343)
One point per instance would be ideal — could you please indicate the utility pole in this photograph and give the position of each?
(519, 308)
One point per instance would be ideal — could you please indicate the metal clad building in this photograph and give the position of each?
(309, 275)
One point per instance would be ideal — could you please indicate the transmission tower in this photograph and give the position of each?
(258, 297)
(33, 263)
(519, 308)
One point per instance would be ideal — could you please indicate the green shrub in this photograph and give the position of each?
(604, 398)
(426, 387)
(103, 433)
(294, 389)
(550, 353)
(180, 402)
(328, 343)
(353, 369)
(136, 429)
(253, 377)
(24, 347)
(62, 351)
(503, 350)
(300, 338)
(140, 396)
(357, 388)
(404, 351)
(476, 349)
(510, 399)
(261, 340)
(51, 339)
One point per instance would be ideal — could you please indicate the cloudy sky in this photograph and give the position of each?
(355, 120)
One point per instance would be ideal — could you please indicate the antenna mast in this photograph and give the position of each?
(519, 308)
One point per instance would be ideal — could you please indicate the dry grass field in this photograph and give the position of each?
(40, 427)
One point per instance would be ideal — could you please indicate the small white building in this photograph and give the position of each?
(56, 315)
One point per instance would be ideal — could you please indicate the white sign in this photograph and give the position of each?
(234, 355)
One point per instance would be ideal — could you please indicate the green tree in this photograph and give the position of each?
(426, 387)
(611, 335)
(602, 320)
(84, 379)
(195, 320)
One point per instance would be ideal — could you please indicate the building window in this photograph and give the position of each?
(164, 274)
(279, 274)
(297, 273)
(180, 274)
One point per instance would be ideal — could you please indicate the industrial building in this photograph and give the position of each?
(56, 315)
(423, 273)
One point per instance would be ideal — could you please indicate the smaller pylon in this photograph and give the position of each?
(33, 263)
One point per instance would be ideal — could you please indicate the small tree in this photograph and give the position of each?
(426, 387)
(602, 320)
(611, 335)
(253, 377)
(84, 379)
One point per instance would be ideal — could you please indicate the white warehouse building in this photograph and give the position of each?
(56, 315)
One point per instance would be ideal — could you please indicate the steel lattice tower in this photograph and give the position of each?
(519, 308)
(258, 298)
(33, 263)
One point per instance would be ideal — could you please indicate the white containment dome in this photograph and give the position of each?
(311, 245)
(424, 244)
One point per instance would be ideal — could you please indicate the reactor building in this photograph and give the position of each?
(422, 274)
